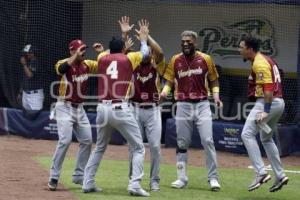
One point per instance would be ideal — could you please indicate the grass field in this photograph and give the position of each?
(112, 178)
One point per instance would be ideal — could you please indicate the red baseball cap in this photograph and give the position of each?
(75, 44)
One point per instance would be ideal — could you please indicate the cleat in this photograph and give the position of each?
(214, 185)
(91, 190)
(77, 181)
(179, 184)
(52, 184)
(154, 187)
(137, 192)
(258, 181)
(278, 184)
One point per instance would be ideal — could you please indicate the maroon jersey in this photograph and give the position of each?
(264, 71)
(73, 84)
(115, 72)
(190, 75)
(147, 82)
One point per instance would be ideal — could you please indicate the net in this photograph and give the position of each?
(51, 25)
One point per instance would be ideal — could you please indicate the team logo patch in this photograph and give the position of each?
(180, 166)
(260, 76)
(250, 78)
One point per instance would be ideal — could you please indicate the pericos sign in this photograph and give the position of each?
(224, 40)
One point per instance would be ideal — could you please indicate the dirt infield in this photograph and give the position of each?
(22, 178)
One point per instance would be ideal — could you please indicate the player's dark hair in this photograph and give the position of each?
(251, 42)
(116, 45)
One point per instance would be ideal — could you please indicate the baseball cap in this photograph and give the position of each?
(75, 44)
(28, 48)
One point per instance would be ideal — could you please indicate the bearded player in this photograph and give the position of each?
(189, 71)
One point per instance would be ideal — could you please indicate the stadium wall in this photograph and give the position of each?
(220, 25)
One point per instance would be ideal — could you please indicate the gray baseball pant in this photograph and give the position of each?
(110, 117)
(69, 119)
(149, 121)
(187, 115)
(249, 137)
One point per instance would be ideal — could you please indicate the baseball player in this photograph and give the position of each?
(265, 86)
(145, 100)
(189, 71)
(115, 112)
(70, 114)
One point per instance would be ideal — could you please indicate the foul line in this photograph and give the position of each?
(268, 168)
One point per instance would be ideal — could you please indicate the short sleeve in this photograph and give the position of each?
(58, 64)
(92, 65)
(169, 72)
(161, 67)
(135, 59)
(102, 54)
(262, 70)
(212, 71)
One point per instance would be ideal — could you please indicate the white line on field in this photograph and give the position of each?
(268, 168)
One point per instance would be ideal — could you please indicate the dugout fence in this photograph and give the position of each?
(52, 24)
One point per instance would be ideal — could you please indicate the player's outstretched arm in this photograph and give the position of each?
(157, 50)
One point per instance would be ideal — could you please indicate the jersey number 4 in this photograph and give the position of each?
(112, 70)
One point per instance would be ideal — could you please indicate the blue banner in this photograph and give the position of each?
(42, 127)
(227, 137)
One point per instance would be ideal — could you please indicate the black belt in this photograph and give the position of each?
(144, 105)
(192, 100)
(112, 101)
(115, 101)
(31, 92)
(75, 105)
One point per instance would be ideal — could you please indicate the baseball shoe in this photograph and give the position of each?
(154, 187)
(52, 184)
(258, 181)
(279, 183)
(179, 184)
(93, 189)
(137, 192)
(77, 181)
(214, 185)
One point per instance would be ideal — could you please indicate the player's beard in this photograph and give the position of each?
(190, 52)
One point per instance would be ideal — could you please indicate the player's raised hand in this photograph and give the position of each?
(98, 47)
(125, 26)
(128, 43)
(81, 51)
(143, 32)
